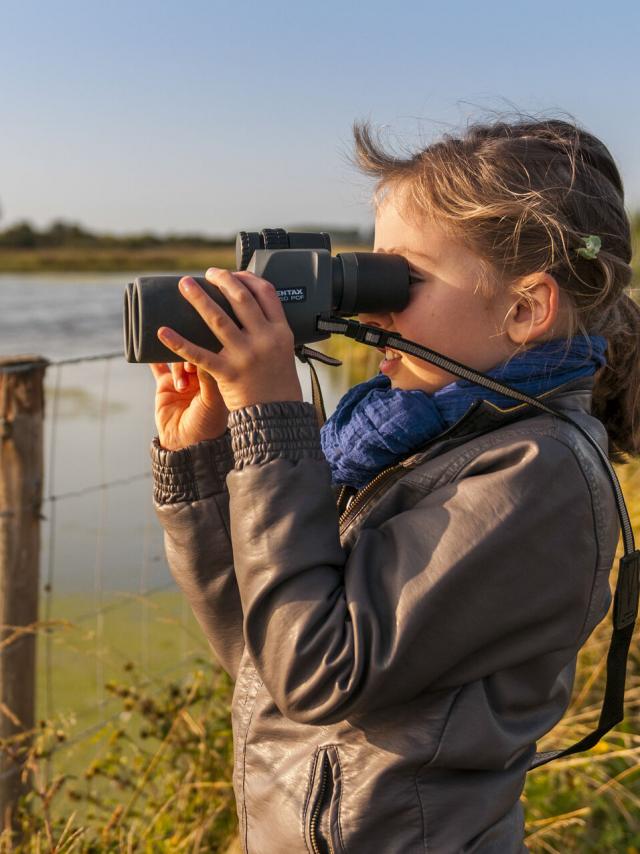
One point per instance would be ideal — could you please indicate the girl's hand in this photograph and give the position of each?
(189, 407)
(256, 363)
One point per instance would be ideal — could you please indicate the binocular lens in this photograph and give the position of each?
(369, 282)
(129, 352)
(154, 301)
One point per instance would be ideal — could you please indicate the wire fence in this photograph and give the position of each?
(106, 597)
(107, 600)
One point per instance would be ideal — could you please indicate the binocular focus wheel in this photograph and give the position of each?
(246, 245)
(248, 242)
(275, 238)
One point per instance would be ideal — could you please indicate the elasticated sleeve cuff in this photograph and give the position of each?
(191, 473)
(264, 432)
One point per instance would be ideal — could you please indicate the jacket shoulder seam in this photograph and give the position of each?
(487, 442)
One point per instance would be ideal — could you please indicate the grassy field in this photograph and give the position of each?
(87, 653)
(114, 260)
(87, 649)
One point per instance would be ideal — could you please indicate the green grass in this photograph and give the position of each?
(158, 778)
(156, 635)
(153, 631)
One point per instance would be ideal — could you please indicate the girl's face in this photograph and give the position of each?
(446, 311)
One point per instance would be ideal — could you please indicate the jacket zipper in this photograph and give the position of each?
(316, 812)
(366, 490)
(343, 489)
(360, 498)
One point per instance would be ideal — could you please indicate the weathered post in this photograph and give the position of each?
(21, 476)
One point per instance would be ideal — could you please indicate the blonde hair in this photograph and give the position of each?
(523, 196)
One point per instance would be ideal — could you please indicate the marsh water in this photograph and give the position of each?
(104, 576)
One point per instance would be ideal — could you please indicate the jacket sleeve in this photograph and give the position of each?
(191, 501)
(484, 572)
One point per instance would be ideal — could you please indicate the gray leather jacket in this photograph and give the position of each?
(395, 659)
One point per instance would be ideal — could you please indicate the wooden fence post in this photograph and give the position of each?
(21, 476)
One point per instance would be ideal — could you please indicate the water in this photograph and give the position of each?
(61, 316)
(98, 426)
(103, 571)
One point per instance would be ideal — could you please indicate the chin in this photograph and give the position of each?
(417, 385)
(403, 386)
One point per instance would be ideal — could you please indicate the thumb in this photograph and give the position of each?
(209, 390)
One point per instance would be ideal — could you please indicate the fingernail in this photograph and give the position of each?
(187, 285)
(181, 384)
(166, 334)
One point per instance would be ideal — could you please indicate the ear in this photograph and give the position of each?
(534, 309)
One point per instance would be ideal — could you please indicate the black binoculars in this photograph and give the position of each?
(310, 282)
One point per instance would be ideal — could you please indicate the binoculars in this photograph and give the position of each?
(310, 283)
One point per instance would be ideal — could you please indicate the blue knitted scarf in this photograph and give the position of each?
(375, 425)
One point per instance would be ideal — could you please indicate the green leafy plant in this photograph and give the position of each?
(161, 781)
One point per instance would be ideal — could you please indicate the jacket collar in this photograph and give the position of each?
(483, 416)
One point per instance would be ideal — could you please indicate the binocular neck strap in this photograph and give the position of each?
(306, 354)
(625, 602)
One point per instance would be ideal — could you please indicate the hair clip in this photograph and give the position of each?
(591, 247)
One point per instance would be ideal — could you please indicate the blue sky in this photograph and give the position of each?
(215, 116)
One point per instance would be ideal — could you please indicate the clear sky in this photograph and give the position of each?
(214, 116)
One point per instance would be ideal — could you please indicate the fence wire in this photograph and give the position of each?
(94, 643)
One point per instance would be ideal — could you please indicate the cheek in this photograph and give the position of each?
(433, 310)
(470, 309)
(446, 320)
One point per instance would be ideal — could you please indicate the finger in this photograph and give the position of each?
(158, 369)
(180, 381)
(216, 318)
(189, 368)
(190, 352)
(266, 296)
(241, 299)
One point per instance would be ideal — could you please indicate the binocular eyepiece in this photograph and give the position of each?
(309, 281)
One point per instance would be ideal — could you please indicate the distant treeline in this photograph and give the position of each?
(62, 234)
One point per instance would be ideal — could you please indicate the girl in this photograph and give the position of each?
(400, 642)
